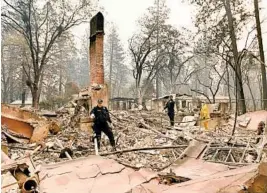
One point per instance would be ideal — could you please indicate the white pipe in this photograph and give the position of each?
(96, 148)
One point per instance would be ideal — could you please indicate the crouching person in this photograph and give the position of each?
(101, 119)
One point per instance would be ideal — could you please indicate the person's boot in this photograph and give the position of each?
(98, 139)
(112, 143)
(113, 147)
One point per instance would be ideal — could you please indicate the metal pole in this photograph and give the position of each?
(96, 146)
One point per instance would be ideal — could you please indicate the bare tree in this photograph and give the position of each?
(232, 32)
(263, 68)
(213, 86)
(224, 20)
(141, 48)
(41, 26)
(174, 44)
(152, 47)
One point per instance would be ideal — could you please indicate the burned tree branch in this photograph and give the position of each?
(144, 148)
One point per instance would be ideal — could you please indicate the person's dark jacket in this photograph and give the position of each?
(170, 106)
(101, 114)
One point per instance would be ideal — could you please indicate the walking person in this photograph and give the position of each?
(260, 131)
(101, 118)
(170, 107)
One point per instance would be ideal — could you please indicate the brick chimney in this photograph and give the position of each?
(98, 88)
(96, 49)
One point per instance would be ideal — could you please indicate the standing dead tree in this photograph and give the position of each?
(213, 86)
(141, 48)
(223, 20)
(41, 26)
(237, 62)
(147, 47)
(172, 71)
(175, 44)
(262, 58)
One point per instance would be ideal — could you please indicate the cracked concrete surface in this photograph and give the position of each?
(96, 174)
(93, 174)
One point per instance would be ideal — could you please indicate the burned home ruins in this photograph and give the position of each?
(183, 141)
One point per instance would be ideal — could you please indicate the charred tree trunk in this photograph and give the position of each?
(34, 86)
(139, 96)
(60, 72)
(40, 87)
(263, 69)
(23, 86)
(35, 102)
(259, 80)
(251, 93)
(11, 94)
(237, 66)
(60, 81)
(3, 77)
(110, 68)
(228, 87)
(172, 81)
(240, 88)
(213, 98)
(4, 92)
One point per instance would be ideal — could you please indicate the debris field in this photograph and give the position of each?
(170, 156)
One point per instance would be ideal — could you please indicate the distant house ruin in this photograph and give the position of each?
(121, 103)
(18, 103)
(185, 102)
(157, 104)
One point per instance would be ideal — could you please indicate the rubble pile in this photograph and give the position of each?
(143, 140)
(137, 130)
(78, 142)
(70, 137)
(131, 130)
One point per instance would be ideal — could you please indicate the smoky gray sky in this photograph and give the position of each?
(125, 13)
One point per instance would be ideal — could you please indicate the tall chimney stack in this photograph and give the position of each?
(96, 49)
(98, 88)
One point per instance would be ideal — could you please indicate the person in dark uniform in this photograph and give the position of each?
(260, 130)
(101, 119)
(170, 106)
